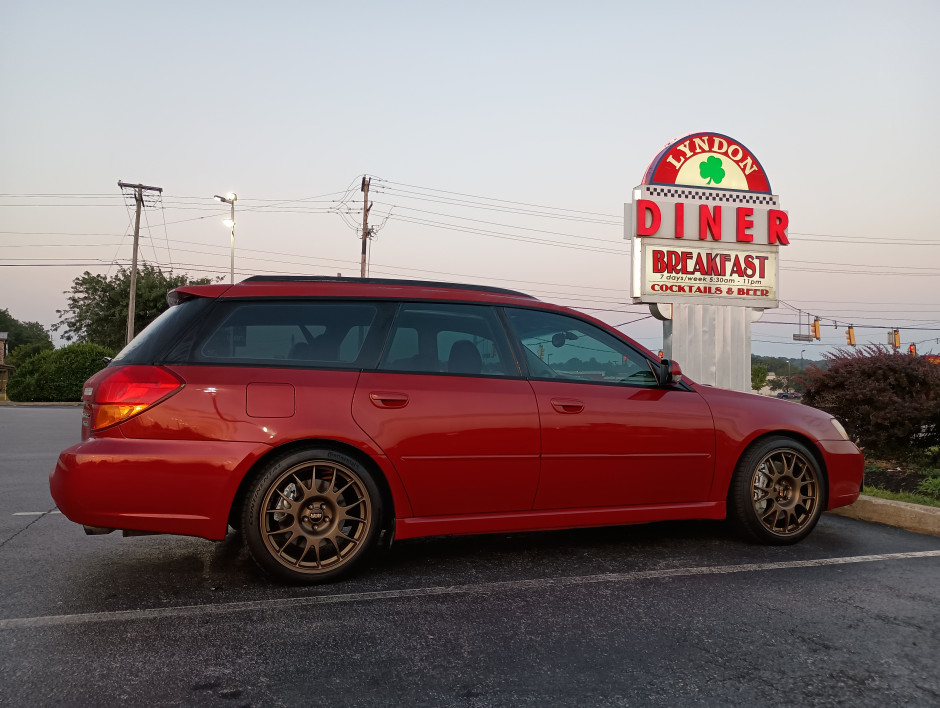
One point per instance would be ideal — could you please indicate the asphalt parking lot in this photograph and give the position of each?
(663, 614)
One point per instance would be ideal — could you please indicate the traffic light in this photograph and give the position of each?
(912, 350)
(850, 336)
(815, 329)
(896, 337)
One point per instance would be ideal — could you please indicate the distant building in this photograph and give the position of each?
(5, 369)
(766, 390)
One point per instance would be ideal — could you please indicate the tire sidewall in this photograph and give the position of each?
(268, 475)
(741, 508)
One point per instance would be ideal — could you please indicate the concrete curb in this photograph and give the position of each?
(30, 404)
(913, 517)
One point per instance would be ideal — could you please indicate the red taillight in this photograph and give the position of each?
(127, 391)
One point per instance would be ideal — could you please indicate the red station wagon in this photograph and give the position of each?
(320, 415)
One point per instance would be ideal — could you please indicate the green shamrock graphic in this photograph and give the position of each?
(711, 169)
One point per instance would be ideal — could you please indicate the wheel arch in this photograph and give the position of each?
(807, 442)
(388, 500)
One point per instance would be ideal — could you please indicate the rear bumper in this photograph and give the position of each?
(845, 466)
(164, 486)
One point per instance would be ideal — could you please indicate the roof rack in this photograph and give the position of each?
(376, 281)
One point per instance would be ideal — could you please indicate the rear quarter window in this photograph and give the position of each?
(296, 334)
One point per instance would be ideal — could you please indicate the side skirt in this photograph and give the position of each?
(416, 527)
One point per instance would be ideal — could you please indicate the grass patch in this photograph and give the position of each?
(901, 496)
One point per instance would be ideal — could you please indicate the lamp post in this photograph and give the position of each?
(801, 358)
(230, 198)
(788, 375)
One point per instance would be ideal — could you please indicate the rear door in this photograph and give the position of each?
(450, 409)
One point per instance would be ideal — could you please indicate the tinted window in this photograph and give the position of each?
(153, 342)
(295, 333)
(443, 338)
(562, 347)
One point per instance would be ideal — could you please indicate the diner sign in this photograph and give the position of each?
(705, 226)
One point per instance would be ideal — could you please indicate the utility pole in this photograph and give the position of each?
(139, 198)
(366, 206)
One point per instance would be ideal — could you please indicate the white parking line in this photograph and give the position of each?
(499, 586)
(34, 513)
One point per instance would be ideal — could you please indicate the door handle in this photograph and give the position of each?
(383, 399)
(567, 405)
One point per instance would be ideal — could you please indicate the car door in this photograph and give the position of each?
(452, 412)
(611, 436)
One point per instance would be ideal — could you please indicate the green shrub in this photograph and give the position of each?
(889, 402)
(27, 351)
(930, 486)
(57, 375)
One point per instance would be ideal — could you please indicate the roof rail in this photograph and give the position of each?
(376, 281)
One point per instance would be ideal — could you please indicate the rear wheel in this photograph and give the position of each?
(778, 492)
(311, 516)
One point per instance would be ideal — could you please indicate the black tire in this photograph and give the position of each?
(778, 492)
(311, 516)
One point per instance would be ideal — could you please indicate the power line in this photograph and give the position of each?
(504, 201)
(508, 226)
(497, 234)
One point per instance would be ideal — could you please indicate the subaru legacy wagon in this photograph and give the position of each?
(323, 417)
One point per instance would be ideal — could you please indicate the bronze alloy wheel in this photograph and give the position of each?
(311, 516)
(778, 491)
(785, 492)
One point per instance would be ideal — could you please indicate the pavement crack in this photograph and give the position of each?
(41, 516)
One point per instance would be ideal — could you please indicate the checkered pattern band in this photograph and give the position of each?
(710, 195)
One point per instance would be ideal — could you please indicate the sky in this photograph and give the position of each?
(501, 138)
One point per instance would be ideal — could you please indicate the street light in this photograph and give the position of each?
(801, 357)
(788, 375)
(230, 198)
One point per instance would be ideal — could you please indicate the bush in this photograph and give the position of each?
(889, 402)
(930, 486)
(27, 351)
(57, 375)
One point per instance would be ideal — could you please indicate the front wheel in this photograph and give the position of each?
(311, 516)
(778, 492)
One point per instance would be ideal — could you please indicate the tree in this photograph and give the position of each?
(889, 402)
(97, 305)
(23, 334)
(758, 376)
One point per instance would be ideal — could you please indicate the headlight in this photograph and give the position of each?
(838, 426)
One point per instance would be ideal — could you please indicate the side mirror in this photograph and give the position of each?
(559, 339)
(669, 373)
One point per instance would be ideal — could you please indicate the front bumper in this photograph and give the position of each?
(845, 466)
